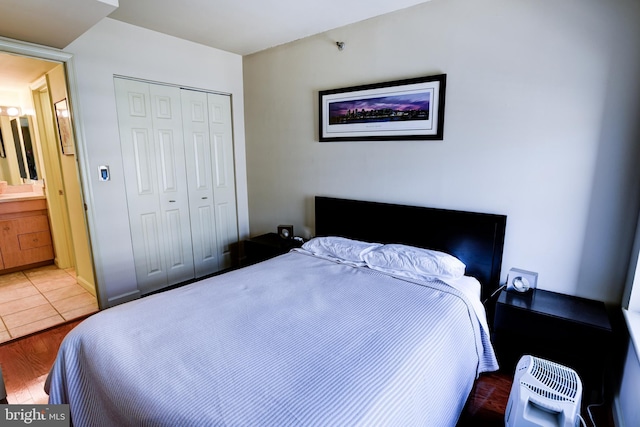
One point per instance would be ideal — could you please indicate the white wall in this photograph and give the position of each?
(540, 125)
(115, 48)
(626, 408)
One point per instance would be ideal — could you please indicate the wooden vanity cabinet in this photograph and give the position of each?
(25, 236)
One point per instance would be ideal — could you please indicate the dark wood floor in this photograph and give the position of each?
(25, 363)
(488, 401)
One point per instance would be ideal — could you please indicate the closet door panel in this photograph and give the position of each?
(227, 235)
(150, 121)
(201, 166)
(143, 161)
(153, 248)
(137, 96)
(200, 175)
(207, 243)
(168, 162)
(174, 199)
(220, 157)
(140, 174)
(177, 251)
(224, 191)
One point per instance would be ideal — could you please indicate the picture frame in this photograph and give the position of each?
(285, 231)
(408, 109)
(63, 118)
(3, 153)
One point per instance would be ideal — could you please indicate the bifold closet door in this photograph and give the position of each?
(199, 178)
(224, 180)
(208, 140)
(151, 136)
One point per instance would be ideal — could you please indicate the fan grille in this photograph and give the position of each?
(561, 382)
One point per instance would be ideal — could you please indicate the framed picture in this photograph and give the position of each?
(63, 117)
(410, 109)
(2, 152)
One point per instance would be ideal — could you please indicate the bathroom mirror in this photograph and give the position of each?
(21, 131)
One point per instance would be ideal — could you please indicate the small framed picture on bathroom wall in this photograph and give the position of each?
(63, 116)
(2, 152)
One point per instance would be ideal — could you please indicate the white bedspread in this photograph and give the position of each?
(293, 341)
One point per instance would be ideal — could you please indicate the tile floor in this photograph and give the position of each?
(36, 299)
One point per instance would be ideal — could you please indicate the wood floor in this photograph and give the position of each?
(488, 401)
(25, 363)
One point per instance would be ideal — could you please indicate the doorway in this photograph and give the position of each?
(36, 298)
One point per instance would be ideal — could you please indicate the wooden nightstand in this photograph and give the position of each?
(267, 246)
(572, 331)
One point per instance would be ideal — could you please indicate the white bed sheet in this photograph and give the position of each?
(293, 341)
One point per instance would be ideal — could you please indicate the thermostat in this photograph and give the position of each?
(104, 174)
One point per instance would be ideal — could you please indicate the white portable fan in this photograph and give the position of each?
(545, 394)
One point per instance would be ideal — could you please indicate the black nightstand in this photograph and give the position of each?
(572, 331)
(267, 246)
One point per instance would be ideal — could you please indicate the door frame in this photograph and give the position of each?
(56, 196)
(50, 54)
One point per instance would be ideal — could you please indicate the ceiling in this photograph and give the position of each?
(19, 70)
(249, 26)
(239, 26)
(51, 23)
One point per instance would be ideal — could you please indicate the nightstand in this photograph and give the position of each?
(572, 331)
(267, 246)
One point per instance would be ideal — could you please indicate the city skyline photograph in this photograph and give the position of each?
(408, 109)
(413, 106)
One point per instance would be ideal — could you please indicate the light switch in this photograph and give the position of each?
(104, 173)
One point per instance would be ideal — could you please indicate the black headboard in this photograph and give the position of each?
(477, 239)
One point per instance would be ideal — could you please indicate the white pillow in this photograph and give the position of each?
(414, 263)
(339, 249)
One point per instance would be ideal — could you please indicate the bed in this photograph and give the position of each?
(335, 333)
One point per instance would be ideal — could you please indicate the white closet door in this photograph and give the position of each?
(200, 179)
(224, 184)
(174, 196)
(150, 123)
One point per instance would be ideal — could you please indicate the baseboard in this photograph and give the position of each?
(88, 286)
(26, 267)
(122, 298)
